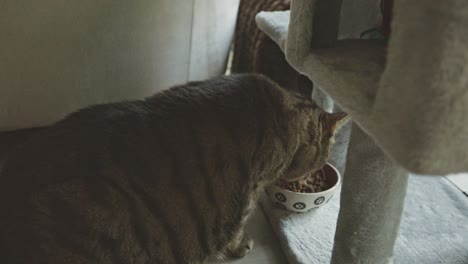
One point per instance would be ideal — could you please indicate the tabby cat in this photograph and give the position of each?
(168, 179)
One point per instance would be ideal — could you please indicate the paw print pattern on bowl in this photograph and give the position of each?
(319, 200)
(299, 206)
(280, 197)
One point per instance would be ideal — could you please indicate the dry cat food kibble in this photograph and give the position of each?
(313, 182)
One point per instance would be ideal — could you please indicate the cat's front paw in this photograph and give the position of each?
(243, 248)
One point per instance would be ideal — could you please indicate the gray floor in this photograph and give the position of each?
(266, 248)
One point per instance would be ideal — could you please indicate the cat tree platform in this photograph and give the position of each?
(413, 104)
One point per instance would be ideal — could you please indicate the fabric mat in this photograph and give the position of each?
(434, 228)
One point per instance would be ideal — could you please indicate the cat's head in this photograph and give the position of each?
(315, 141)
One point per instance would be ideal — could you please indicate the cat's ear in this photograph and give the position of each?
(333, 122)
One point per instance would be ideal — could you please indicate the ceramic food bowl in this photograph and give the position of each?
(305, 202)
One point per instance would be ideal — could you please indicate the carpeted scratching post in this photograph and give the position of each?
(372, 200)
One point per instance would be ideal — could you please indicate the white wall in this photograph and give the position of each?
(59, 55)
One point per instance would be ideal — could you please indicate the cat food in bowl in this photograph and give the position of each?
(307, 194)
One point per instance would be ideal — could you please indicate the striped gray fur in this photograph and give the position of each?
(169, 179)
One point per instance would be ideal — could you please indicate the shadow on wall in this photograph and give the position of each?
(58, 57)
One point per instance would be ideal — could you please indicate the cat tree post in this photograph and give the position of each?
(372, 199)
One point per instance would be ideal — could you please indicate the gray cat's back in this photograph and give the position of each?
(50, 187)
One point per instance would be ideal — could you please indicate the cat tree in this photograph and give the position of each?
(408, 99)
